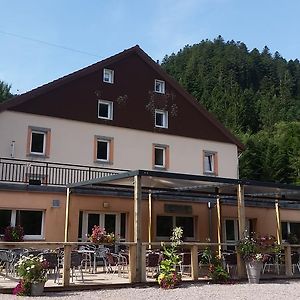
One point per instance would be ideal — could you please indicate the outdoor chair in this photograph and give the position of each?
(5, 262)
(271, 260)
(53, 264)
(77, 262)
(230, 261)
(115, 262)
(185, 263)
(152, 262)
(295, 262)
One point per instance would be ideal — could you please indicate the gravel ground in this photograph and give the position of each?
(265, 291)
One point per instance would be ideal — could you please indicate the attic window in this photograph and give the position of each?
(161, 118)
(159, 86)
(105, 110)
(108, 76)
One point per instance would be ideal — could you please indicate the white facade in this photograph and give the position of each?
(73, 142)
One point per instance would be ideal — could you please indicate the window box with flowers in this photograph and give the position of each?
(33, 273)
(254, 249)
(13, 234)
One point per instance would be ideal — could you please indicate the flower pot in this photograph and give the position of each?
(37, 289)
(253, 268)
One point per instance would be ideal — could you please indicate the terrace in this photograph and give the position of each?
(216, 191)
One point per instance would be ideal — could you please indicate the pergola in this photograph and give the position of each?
(208, 187)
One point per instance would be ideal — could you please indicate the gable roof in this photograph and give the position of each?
(223, 135)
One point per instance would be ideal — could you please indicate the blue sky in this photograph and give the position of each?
(104, 28)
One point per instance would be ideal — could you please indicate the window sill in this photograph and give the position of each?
(213, 174)
(160, 168)
(35, 155)
(103, 162)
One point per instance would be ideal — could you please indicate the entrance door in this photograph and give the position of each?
(230, 233)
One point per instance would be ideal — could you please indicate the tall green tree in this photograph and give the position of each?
(4, 91)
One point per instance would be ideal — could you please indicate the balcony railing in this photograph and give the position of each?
(49, 173)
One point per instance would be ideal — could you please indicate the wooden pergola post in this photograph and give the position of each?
(150, 219)
(278, 222)
(137, 226)
(219, 224)
(242, 225)
(67, 221)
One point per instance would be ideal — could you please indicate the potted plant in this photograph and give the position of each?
(168, 276)
(33, 273)
(99, 236)
(13, 234)
(252, 249)
(205, 259)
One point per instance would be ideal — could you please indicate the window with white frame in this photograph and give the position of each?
(103, 150)
(159, 157)
(38, 142)
(290, 228)
(32, 222)
(108, 76)
(210, 163)
(159, 86)
(105, 110)
(161, 118)
(165, 225)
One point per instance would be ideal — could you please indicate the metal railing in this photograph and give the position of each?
(49, 173)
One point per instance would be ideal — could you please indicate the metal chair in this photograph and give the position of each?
(5, 261)
(53, 264)
(152, 262)
(185, 263)
(271, 260)
(295, 262)
(77, 262)
(230, 261)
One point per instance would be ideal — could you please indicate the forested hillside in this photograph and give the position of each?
(254, 94)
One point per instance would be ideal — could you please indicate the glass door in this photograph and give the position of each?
(112, 222)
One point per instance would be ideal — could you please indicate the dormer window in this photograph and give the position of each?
(105, 110)
(108, 76)
(159, 86)
(161, 118)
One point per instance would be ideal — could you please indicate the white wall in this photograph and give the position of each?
(73, 142)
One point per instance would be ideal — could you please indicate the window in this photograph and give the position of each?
(159, 86)
(31, 221)
(38, 141)
(288, 228)
(103, 149)
(160, 156)
(108, 76)
(105, 110)
(210, 165)
(161, 118)
(165, 225)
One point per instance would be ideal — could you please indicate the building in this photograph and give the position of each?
(123, 113)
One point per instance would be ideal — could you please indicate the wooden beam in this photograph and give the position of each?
(241, 210)
(288, 260)
(137, 225)
(132, 263)
(67, 222)
(278, 222)
(219, 226)
(194, 263)
(67, 265)
(150, 220)
(242, 226)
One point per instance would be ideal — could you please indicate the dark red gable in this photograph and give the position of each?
(76, 96)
